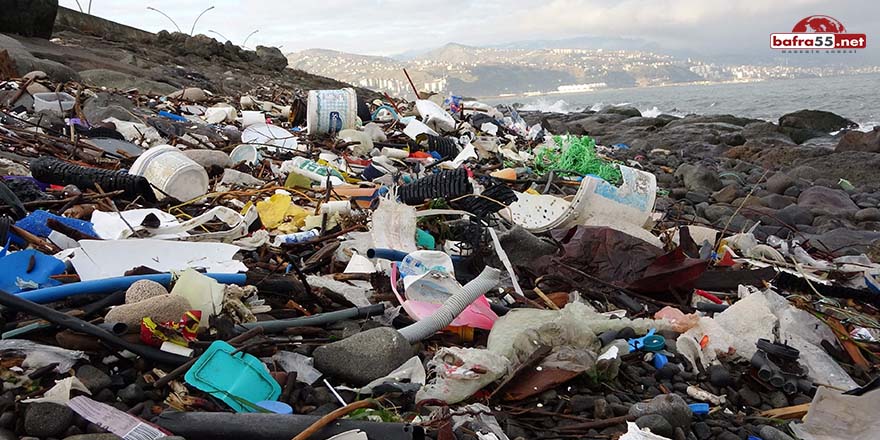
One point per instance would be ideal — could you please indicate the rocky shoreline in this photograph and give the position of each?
(809, 174)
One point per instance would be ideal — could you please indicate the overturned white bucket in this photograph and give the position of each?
(331, 111)
(626, 208)
(172, 173)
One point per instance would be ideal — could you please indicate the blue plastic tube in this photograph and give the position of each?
(393, 255)
(110, 285)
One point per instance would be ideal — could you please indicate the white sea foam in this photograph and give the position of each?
(547, 106)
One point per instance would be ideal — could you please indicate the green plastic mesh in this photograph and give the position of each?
(575, 153)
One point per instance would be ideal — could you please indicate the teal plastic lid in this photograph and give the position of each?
(654, 343)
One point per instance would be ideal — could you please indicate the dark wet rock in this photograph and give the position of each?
(28, 18)
(777, 201)
(94, 379)
(671, 406)
(702, 431)
(824, 200)
(727, 435)
(47, 419)
(777, 399)
(749, 397)
(131, 394)
(770, 433)
(727, 194)
(719, 376)
(778, 183)
(698, 178)
(271, 58)
(363, 357)
(656, 423)
(724, 119)
(624, 110)
(697, 197)
(844, 241)
(859, 141)
(123, 81)
(867, 215)
(581, 403)
(805, 124)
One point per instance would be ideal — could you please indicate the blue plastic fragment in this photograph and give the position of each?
(29, 267)
(660, 360)
(275, 406)
(639, 343)
(699, 408)
(752, 437)
(172, 116)
(35, 223)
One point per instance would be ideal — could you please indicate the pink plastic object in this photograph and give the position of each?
(477, 315)
(680, 321)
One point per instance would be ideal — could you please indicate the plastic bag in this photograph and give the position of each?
(39, 355)
(461, 372)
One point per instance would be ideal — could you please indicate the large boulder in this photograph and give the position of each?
(123, 81)
(271, 58)
(827, 201)
(803, 125)
(203, 46)
(29, 18)
(625, 110)
(860, 141)
(699, 178)
(26, 62)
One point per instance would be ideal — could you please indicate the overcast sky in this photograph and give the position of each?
(384, 27)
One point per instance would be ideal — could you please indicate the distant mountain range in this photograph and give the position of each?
(536, 67)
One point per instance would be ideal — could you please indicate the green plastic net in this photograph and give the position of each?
(575, 153)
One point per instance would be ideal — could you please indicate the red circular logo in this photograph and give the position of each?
(819, 24)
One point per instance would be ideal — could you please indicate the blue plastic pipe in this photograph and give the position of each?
(393, 255)
(110, 285)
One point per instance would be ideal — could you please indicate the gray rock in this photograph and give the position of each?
(749, 397)
(714, 213)
(867, 215)
(777, 399)
(778, 183)
(7, 419)
(844, 241)
(727, 435)
(94, 379)
(581, 403)
(671, 406)
(727, 194)
(792, 191)
(805, 172)
(829, 201)
(697, 196)
(363, 357)
(816, 120)
(6, 434)
(123, 81)
(29, 18)
(47, 419)
(107, 105)
(770, 433)
(131, 394)
(777, 201)
(795, 215)
(656, 423)
(859, 141)
(702, 431)
(271, 58)
(698, 178)
(625, 110)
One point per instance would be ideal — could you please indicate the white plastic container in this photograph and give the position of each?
(247, 153)
(169, 170)
(50, 101)
(331, 111)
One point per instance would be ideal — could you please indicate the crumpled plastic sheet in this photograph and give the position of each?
(481, 421)
(633, 432)
(60, 393)
(119, 225)
(394, 225)
(303, 366)
(835, 416)
(461, 372)
(411, 371)
(39, 355)
(763, 315)
(518, 333)
(357, 294)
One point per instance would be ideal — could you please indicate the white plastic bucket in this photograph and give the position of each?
(172, 173)
(330, 111)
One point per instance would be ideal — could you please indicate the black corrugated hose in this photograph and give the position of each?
(447, 184)
(58, 172)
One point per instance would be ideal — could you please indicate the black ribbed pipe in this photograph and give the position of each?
(58, 172)
(447, 184)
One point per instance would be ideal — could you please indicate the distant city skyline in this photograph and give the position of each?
(387, 27)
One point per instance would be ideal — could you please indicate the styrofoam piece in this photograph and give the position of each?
(172, 173)
(597, 203)
(434, 116)
(273, 137)
(252, 117)
(330, 111)
(415, 127)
